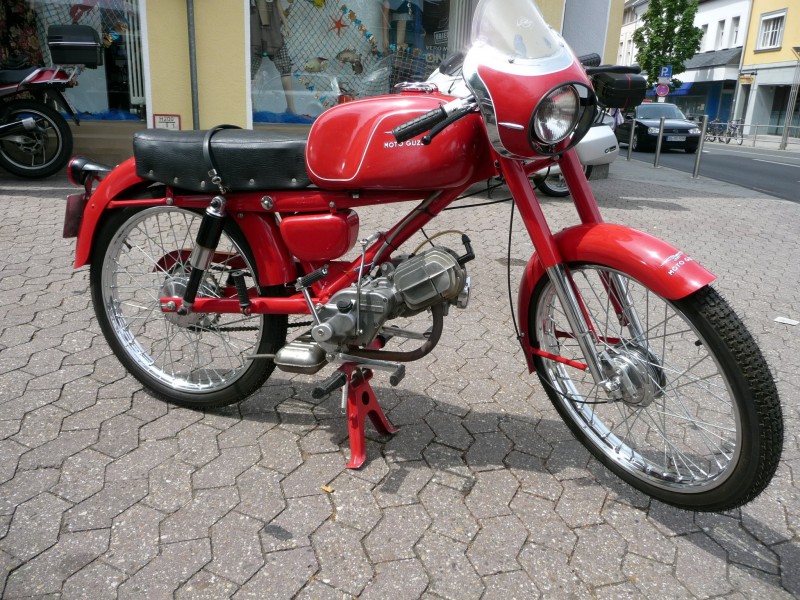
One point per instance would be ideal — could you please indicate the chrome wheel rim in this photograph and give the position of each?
(680, 429)
(30, 150)
(147, 257)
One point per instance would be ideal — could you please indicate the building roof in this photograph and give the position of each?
(716, 58)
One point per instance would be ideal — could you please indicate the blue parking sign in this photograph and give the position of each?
(666, 71)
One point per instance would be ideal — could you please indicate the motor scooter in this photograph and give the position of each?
(35, 139)
(204, 244)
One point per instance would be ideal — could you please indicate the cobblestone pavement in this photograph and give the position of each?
(106, 492)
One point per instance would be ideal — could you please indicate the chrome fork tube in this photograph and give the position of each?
(562, 283)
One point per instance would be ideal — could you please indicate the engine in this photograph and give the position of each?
(404, 289)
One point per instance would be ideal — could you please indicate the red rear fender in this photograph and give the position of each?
(656, 264)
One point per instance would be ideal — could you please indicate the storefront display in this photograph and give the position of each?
(327, 52)
(114, 90)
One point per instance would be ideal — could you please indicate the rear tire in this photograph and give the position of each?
(699, 425)
(199, 361)
(35, 154)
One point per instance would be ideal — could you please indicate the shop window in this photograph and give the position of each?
(770, 33)
(114, 90)
(310, 55)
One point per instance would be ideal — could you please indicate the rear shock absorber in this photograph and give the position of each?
(205, 246)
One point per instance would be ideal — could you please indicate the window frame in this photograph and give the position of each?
(766, 17)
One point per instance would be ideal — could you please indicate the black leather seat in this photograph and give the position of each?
(246, 160)
(8, 76)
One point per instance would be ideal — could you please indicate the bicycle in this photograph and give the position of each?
(734, 130)
(714, 130)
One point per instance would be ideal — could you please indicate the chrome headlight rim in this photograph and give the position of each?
(535, 132)
(585, 116)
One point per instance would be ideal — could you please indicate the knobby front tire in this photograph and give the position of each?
(199, 361)
(699, 425)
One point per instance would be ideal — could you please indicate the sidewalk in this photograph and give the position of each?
(106, 492)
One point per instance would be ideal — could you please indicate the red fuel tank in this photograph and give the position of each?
(351, 147)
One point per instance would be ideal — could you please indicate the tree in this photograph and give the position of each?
(667, 37)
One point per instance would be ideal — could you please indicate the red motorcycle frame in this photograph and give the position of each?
(697, 439)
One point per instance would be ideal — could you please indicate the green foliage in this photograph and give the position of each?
(668, 37)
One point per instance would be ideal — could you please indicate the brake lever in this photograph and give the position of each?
(437, 129)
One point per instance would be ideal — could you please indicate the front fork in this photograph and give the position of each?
(598, 363)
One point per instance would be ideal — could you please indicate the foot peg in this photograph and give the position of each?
(332, 383)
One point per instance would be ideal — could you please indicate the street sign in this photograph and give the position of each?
(666, 71)
(662, 90)
(664, 79)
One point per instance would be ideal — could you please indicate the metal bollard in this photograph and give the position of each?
(700, 145)
(630, 139)
(658, 144)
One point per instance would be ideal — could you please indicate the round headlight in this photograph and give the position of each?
(557, 115)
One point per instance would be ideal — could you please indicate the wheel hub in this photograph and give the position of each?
(640, 374)
(175, 287)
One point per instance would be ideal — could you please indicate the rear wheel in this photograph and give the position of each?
(698, 424)
(739, 135)
(38, 153)
(200, 360)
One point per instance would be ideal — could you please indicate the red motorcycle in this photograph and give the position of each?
(35, 140)
(205, 243)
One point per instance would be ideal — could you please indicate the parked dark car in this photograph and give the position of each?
(679, 132)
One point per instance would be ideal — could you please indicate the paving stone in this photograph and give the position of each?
(701, 565)
(640, 536)
(741, 547)
(165, 573)
(197, 444)
(411, 410)
(7, 564)
(9, 427)
(356, 508)
(296, 416)
(292, 528)
(206, 586)
(525, 438)
(326, 438)
(119, 435)
(408, 443)
(492, 494)
(399, 580)
(497, 544)
(279, 451)
(394, 537)
(244, 433)
(451, 574)
(403, 484)
(94, 582)
(671, 521)
(169, 425)
(170, 486)
(449, 468)
(53, 453)
(545, 527)
(752, 583)
(82, 475)
(651, 578)
(236, 547)
(23, 487)
(790, 566)
(94, 416)
(569, 460)
(260, 493)
(134, 539)
(581, 502)
(223, 470)
(46, 573)
(551, 573)
(316, 590)
(282, 575)
(343, 564)
(146, 408)
(448, 430)
(449, 513)
(515, 585)
(193, 520)
(138, 463)
(317, 470)
(34, 526)
(488, 451)
(99, 510)
(598, 555)
(533, 477)
(40, 426)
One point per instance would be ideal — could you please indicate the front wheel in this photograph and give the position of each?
(199, 360)
(696, 422)
(37, 153)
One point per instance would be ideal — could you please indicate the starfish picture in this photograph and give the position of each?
(338, 25)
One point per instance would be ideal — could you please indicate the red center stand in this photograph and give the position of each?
(362, 402)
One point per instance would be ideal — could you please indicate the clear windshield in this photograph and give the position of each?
(515, 28)
(657, 110)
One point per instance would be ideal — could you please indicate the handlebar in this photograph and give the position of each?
(613, 69)
(420, 124)
(590, 60)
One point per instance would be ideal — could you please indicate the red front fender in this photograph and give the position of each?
(654, 263)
